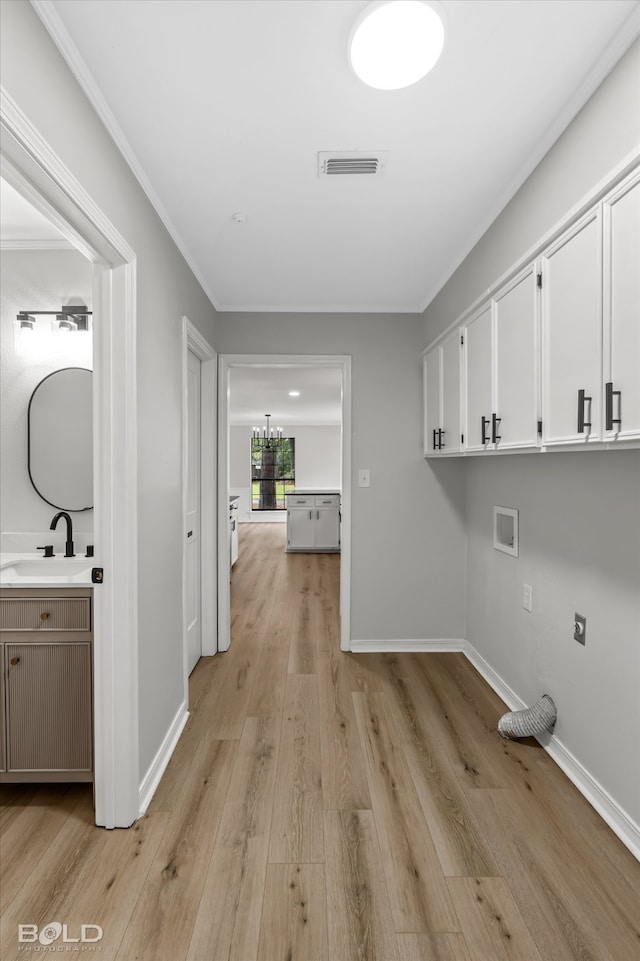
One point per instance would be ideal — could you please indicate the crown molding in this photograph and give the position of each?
(56, 29)
(39, 244)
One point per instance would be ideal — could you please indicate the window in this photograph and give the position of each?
(272, 473)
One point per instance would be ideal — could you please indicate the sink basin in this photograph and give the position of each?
(40, 571)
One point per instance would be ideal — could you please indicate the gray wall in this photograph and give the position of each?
(31, 280)
(166, 289)
(580, 536)
(408, 540)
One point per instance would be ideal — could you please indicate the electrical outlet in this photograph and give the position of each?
(580, 628)
(527, 597)
(364, 478)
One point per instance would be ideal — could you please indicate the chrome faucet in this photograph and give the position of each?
(68, 547)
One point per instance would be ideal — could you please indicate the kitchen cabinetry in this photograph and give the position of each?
(500, 368)
(442, 396)
(46, 655)
(313, 522)
(621, 310)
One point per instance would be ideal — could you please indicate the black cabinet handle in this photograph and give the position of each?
(485, 425)
(610, 393)
(441, 434)
(435, 445)
(495, 436)
(582, 401)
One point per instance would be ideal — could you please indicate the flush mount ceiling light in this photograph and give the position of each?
(394, 44)
(294, 393)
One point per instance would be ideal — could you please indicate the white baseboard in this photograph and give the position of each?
(396, 646)
(159, 764)
(599, 798)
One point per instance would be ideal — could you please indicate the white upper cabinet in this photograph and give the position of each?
(572, 335)
(549, 358)
(477, 379)
(621, 308)
(516, 400)
(501, 368)
(442, 396)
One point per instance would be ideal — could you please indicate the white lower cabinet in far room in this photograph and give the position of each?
(313, 522)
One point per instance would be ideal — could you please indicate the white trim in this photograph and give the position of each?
(599, 798)
(193, 340)
(396, 645)
(376, 308)
(78, 66)
(226, 362)
(43, 177)
(42, 243)
(158, 766)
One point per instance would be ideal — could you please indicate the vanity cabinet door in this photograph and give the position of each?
(48, 707)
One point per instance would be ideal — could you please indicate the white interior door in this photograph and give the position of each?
(192, 531)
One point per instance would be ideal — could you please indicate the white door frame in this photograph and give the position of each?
(192, 340)
(30, 164)
(226, 362)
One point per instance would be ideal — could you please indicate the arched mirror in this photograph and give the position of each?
(60, 443)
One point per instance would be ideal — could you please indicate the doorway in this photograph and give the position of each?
(37, 173)
(198, 487)
(313, 362)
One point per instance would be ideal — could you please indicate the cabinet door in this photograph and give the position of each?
(326, 528)
(622, 312)
(572, 335)
(516, 357)
(299, 528)
(48, 705)
(477, 380)
(450, 392)
(432, 400)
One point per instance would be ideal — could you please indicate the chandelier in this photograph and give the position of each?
(267, 440)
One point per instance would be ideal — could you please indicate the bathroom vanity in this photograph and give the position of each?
(46, 703)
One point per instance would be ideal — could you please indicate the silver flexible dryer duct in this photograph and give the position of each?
(540, 717)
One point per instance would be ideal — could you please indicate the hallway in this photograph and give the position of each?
(323, 806)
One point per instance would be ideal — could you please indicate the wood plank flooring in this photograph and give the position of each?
(323, 806)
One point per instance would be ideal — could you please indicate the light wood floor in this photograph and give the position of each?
(328, 807)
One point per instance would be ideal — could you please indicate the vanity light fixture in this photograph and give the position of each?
(69, 318)
(395, 43)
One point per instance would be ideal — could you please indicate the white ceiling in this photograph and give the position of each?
(222, 106)
(256, 391)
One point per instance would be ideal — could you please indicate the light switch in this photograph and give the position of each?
(364, 478)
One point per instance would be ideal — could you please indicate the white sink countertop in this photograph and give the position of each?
(34, 570)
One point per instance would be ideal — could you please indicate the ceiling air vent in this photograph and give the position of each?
(348, 163)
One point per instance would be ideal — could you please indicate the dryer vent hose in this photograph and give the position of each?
(533, 720)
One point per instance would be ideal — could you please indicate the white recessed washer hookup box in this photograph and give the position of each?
(505, 530)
